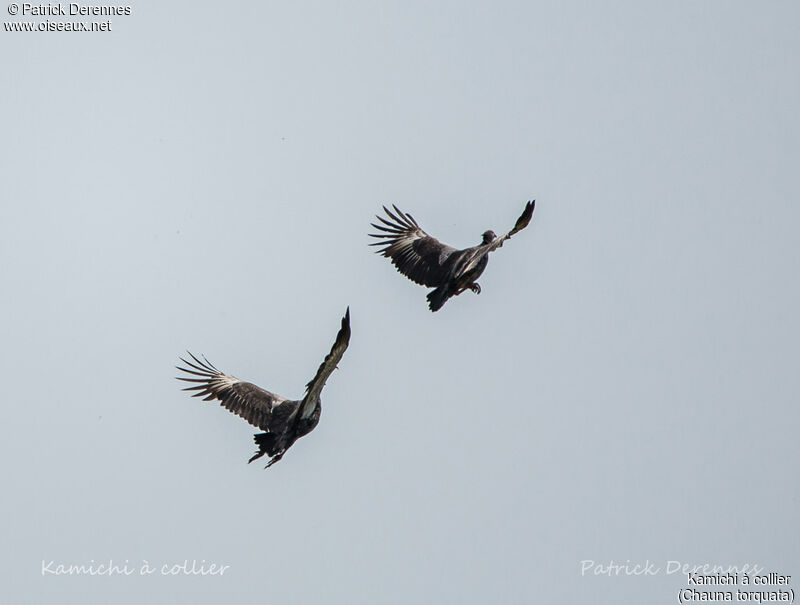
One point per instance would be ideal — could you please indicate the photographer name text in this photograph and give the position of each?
(72, 9)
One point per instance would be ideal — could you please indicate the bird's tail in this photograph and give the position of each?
(266, 445)
(439, 296)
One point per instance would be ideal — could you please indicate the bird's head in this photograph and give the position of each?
(489, 236)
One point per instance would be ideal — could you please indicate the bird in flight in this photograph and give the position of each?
(428, 262)
(283, 421)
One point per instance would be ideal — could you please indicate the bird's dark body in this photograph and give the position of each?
(283, 421)
(464, 276)
(428, 262)
(284, 434)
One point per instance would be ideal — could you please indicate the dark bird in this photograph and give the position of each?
(428, 262)
(283, 421)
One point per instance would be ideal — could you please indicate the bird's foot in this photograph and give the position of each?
(475, 287)
(274, 459)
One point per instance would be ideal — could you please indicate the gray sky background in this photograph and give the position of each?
(202, 177)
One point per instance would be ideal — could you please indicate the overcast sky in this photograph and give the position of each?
(202, 177)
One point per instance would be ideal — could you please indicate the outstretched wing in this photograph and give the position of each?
(416, 254)
(244, 399)
(314, 387)
(521, 223)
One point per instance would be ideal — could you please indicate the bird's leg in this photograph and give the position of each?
(275, 458)
(475, 287)
(257, 455)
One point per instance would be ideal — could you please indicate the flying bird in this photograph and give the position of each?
(283, 421)
(428, 262)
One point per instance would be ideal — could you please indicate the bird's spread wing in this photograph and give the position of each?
(521, 223)
(314, 387)
(244, 399)
(416, 254)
